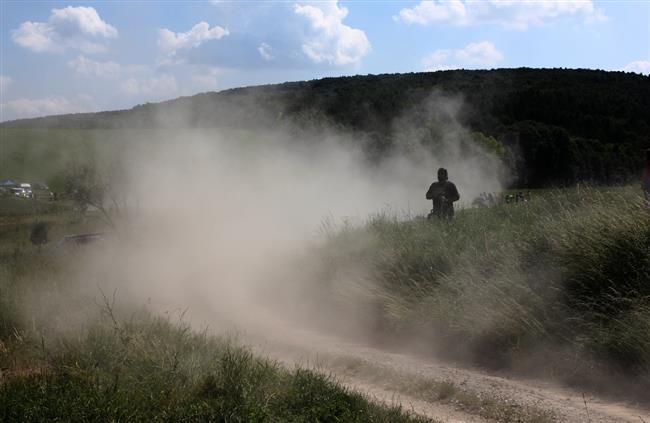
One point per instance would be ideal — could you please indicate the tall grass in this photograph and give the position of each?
(148, 369)
(65, 356)
(568, 271)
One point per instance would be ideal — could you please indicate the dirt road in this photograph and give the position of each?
(441, 391)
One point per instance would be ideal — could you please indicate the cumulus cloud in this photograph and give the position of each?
(169, 42)
(330, 40)
(483, 53)
(430, 12)
(87, 67)
(83, 19)
(434, 67)
(638, 66)
(69, 28)
(309, 35)
(5, 81)
(53, 105)
(156, 86)
(518, 15)
(265, 51)
(472, 55)
(207, 80)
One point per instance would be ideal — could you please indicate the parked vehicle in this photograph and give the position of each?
(41, 191)
(22, 192)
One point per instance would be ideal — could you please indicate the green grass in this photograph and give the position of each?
(567, 273)
(560, 284)
(65, 357)
(147, 369)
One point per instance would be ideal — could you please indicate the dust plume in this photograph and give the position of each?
(216, 218)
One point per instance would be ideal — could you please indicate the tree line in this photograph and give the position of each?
(553, 127)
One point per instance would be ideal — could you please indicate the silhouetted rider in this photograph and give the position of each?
(443, 194)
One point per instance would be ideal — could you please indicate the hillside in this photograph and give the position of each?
(551, 126)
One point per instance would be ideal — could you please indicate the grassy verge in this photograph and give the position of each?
(65, 357)
(147, 369)
(565, 276)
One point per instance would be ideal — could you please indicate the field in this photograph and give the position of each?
(66, 352)
(41, 155)
(555, 288)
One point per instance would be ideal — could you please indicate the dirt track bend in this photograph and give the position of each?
(398, 378)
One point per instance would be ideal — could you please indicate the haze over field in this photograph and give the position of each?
(293, 214)
(212, 223)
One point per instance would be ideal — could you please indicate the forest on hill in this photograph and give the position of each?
(552, 127)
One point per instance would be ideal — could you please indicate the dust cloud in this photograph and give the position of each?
(216, 218)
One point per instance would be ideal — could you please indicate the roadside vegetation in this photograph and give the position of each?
(558, 286)
(67, 354)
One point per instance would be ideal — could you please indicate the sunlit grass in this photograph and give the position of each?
(571, 268)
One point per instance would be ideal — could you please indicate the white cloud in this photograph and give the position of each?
(472, 55)
(169, 42)
(597, 17)
(37, 36)
(638, 66)
(430, 12)
(68, 28)
(157, 87)
(5, 81)
(132, 80)
(265, 51)
(434, 67)
(483, 53)
(330, 41)
(438, 56)
(87, 67)
(39, 106)
(519, 15)
(206, 81)
(84, 19)
(54, 105)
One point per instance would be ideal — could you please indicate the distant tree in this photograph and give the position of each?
(87, 188)
(490, 144)
(551, 121)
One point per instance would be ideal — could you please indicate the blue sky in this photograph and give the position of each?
(64, 57)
